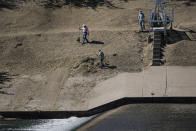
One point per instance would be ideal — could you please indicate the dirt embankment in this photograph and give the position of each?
(59, 66)
(43, 67)
(180, 51)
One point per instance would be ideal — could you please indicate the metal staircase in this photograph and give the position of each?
(160, 19)
(157, 53)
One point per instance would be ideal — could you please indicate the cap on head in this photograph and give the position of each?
(140, 11)
(83, 25)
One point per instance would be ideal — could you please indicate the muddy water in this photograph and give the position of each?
(43, 125)
(139, 117)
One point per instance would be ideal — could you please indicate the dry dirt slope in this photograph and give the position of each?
(52, 62)
(43, 67)
(49, 69)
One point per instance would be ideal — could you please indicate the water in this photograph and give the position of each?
(43, 125)
(138, 117)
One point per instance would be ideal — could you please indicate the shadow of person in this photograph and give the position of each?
(96, 42)
(109, 67)
(4, 77)
(6, 93)
(19, 44)
(5, 4)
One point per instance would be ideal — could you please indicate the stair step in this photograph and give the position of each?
(156, 57)
(157, 45)
(157, 41)
(156, 60)
(156, 63)
(156, 49)
(156, 52)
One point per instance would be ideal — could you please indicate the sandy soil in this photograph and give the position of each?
(43, 67)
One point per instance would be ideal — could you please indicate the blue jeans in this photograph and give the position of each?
(101, 63)
(84, 38)
(142, 25)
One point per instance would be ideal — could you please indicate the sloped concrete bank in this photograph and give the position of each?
(164, 84)
(97, 110)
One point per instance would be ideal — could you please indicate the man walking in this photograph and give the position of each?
(101, 56)
(141, 18)
(84, 28)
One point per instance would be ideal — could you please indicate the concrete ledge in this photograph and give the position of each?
(97, 110)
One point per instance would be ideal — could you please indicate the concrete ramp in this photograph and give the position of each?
(161, 84)
(164, 81)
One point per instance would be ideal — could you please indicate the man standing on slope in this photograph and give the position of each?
(141, 18)
(101, 56)
(84, 28)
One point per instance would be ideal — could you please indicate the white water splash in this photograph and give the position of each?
(58, 124)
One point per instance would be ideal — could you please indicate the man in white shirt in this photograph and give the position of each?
(141, 18)
(85, 30)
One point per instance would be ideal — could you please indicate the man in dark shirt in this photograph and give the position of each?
(101, 56)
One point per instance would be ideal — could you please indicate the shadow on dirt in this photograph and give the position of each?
(8, 4)
(189, 2)
(109, 67)
(79, 3)
(5, 93)
(18, 45)
(4, 77)
(90, 65)
(175, 36)
(12, 4)
(97, 42)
